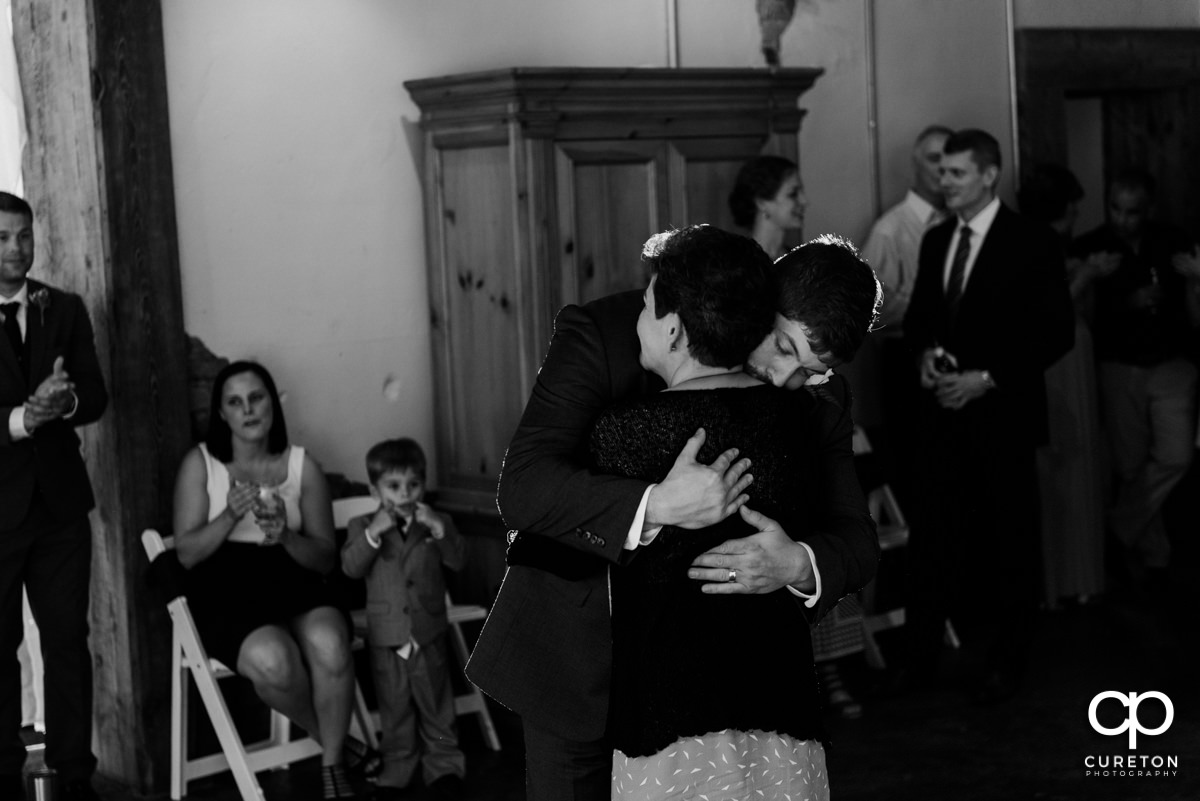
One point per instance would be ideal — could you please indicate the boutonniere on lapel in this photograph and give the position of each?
(41, 299)
(819, 379)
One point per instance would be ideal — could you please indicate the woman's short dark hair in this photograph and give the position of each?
(758, 179)
(722, 287)
(1047, 192)
(826, 286)
(220, 438)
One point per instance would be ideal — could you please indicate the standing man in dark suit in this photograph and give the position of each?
(989, 313)
(50, 382)
(546, 650)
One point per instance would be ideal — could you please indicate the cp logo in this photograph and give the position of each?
(1131, 723)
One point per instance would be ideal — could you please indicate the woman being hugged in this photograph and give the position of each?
(713, 692)
(254, 529)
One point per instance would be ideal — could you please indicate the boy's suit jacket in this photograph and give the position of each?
(50, 459)
(546, 648)
(406, 592)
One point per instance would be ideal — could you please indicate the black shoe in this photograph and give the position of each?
(12, 786)
(79, 790)
(361, 760)
(448, 787)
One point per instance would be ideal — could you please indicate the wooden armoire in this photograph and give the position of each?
(540, 186)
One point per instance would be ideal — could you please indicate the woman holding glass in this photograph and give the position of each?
(254, 529)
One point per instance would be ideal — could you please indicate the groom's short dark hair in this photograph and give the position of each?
(826, 286)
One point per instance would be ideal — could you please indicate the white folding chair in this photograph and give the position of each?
(470, 702)
(190, 662)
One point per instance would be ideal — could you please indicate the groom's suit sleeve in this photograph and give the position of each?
(844, 541)
(546, 488)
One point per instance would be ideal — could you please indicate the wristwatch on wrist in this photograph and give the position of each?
(988, 381)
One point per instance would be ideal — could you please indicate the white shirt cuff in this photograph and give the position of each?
(809, 600)
(16, 423)
(636, 536)
(74, 406)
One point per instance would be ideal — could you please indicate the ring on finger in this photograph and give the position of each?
(732, 575)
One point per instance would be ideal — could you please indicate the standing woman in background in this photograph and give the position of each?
(768, 202)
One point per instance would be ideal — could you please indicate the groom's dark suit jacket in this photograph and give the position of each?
(546, 649)
(49, 461)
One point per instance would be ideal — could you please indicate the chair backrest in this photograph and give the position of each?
(345, 509)
(156, 544)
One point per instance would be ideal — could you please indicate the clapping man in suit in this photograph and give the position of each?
(989, 313)
(50, 382)
(546, 650)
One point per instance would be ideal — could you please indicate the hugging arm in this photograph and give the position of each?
(844, 541)
(545, 485)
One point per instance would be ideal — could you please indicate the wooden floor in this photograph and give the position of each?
(937, 745)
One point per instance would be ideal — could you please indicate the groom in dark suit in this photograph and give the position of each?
(990, 311)
(546, 650)
(50, 382)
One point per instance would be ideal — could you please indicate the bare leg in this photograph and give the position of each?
(272, 661)
(324, 640)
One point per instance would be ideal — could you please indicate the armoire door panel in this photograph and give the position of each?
(612, 197)
(702, 175)
(541, 186)
(477, 327)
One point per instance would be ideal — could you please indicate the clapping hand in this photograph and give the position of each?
(240, 499)
(54, 397)
(1105, 263)
(1187, 264)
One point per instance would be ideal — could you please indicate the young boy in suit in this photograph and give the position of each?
(400, 550)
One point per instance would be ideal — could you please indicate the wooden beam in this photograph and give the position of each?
(98, 172)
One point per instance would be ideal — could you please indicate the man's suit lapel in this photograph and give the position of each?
(39, 323)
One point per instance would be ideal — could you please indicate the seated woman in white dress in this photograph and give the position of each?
(254, 528)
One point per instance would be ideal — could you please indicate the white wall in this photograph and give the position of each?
(296, 177)
(297, 192)
(939, 61)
